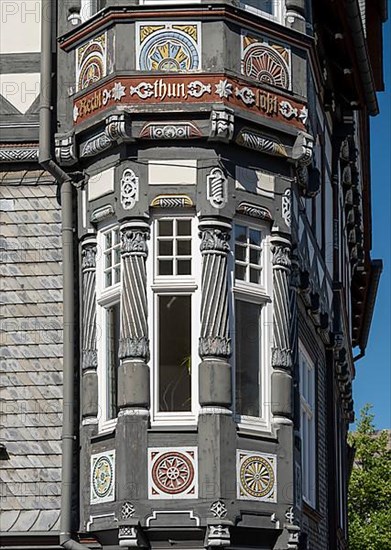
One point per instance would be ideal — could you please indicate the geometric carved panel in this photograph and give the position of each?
(172, 472)
(91, 62)
(257, 476)
(102, 477)
(265, 61)
(170, 47)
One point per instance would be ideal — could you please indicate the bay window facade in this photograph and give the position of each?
(216, 187)
(174, 293)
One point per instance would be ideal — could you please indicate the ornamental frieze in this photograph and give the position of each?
(138, 92)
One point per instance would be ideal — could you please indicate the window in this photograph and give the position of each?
(174, 308)
(108, 321)
(252, 324)
(265, 8)
(263, 5)
(248, 251)
(307, 426)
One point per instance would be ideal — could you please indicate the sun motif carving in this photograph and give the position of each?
(256, 476)
(91, 62)
(173, 473)
(170, 51)
(264, 64)
(102, 476)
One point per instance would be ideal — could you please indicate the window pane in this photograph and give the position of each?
(240, 272)
(254, 275)
(184, 248)
(174, 353)
(183, 267)
(247, 352)
(240, 253)
(240, 233)
(112, 344)
(108, 240)
(108, 279)
(165, 267)
(165, 248)
(184, 227)
(255, 237)
(255, 256)
(264, 5)
(165, 227)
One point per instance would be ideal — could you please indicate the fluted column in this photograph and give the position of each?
(133, 376)
(214, 343)
(89, 353)
(281, 352)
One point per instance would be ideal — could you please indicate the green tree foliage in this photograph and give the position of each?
(369, 503)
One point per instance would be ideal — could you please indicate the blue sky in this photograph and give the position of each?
(373, 372)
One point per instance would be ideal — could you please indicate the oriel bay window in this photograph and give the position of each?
(173, 297)
(252, 326)
(108, 321)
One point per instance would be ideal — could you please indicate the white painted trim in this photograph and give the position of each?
(155, 513)
(258, 294)
(105, 297)
(183, 285)
(308, 409)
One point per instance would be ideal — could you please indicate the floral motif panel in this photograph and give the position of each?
(256, 476)
(168, 47)
(91, 62)
(172, 473)
(102, 477)
(266, 61)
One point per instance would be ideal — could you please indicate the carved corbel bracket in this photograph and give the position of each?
(131, 535)
(221, 125)
(65, 149)
(119, 127)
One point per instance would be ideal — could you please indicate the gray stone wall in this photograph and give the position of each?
(30, 351)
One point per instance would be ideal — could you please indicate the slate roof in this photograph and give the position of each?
(30, 351)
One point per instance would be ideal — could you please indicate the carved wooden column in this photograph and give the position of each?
(133, 376)
(296, 14)
(281, 352)
(214, 344)
(89, 365)
(89, 353)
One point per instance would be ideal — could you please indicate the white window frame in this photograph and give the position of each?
(277, 15)
(257, 294)
(88, 8)
(105, 297)
(187, 285)
(308, 429)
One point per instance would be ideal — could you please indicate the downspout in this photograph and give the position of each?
(63, 179)
(360, 45)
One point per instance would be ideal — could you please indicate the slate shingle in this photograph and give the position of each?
(30, 350)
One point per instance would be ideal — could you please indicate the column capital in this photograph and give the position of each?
(88, 253)
(134, 236)
(215, 236)
(281, 249)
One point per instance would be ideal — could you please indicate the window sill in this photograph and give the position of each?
(312, 513)
(254, 430)
(173, 429)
